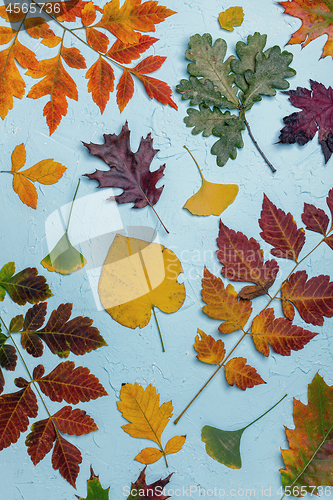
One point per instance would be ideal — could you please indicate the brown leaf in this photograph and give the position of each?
(66, 458)
(8, 357)
(243, 375)
(25, 286)
(40, 440)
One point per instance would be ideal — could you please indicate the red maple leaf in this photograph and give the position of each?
(316, 116)
(152, 491)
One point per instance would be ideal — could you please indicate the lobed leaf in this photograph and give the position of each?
(94, 488)
(25, 286)
(210, 350)
(152, 491)
(247, 58)
(232, 17)
(201, 92)
(243, 375)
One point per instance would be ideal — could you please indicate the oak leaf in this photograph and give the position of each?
(152, 491)
(94, 488)
(316, 116)
(313, 298)
(25, 286)
(231, 18)
(141, 407)
(279, 333)
(210, 350)
(223, 303)
(308, 460)
(243, 375)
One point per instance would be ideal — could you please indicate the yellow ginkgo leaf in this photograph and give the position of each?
(231, 18)
(211, 199)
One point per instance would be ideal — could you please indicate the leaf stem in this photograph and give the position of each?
(195, 161)
(70, 212)
(258, 147)
(158, 328)
(266, 411)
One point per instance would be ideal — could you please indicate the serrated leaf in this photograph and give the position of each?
(308, 460)
(210, 350)
(74, 422)
(66, 458)
(125, 53)
(223, 303)
(280, 333)
(71, 384)
(97, 40)
(247, 58)
(88, 14)
(94, 489)
(315, 219)
(231, 18)
(280, 230)
(243, 375)
(153, 491)
(25, 286)
(8, 357)
(40, 440)
(125, 90)
(16, 324)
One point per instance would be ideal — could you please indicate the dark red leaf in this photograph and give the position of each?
(8, 357)
(280, 230)
(66, 458)
(329, 201)
(35, 317)
(313, 298)
(316, 115)
(21, 382)
(74, 422)
(242, 259)
(71, 384)
(315, 219)
(129, 171)
(40, 440)
(152, 491)
(25, 286)
(32, 344)
(38, 372)
(15, 411)
(2, 381)
(329, 241)
(125, 53)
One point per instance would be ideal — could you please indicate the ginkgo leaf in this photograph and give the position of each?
(138, 276)
(243, 375)
(308, 460)
(280, 230)
(66, 458)
(95, 491)
(210, 350)
(280, 333)
(223, 303)
(231, 18)
(25, 286)
(211, 199)
(140, 489)
(141, 407)
(313, 298)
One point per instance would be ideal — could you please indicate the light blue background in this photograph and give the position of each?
(135, 356)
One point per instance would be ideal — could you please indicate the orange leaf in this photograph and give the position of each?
(125, 90)
(52, 42)
(88, 14)
(150, 64)
(7, 12)
(24, 56)
(101, 82)
(69, 10)
(73, 57)
(223, 303)
(243, 375)
(74, 422)
(158, 89)
(26, 190)
(6, 34)
(97, 40)
(38, 28)
(125, 53)
(210, 350)
(280, 333)
(19, 157)
(45, 172)
(149, 456)
(66, 458)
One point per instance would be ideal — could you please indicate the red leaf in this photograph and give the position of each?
(71, 384)
(316, 115)
(313, 298)
(152, 491)
(32, 344)
(315, 219)
(158, 89)
(66, 458)
(329, 201)
(38, 372)
(40, 440)
(101, 82)
(280, 333)
(88, 14)
(73, 57)
(242, 259)
(125, 90)
(279, 229)
(2, 381)
(125, 53)
(8, 357)
(35, 317)
(329, 241)
(243, 375)
(15, 409)
(97, 40)
(150, 64)
(74, 422)
(129, 171)
(38, 28)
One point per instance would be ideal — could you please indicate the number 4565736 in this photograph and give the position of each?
(25, 7)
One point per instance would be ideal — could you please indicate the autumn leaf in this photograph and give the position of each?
(232, 17)
(243, 375)
(210, 350)
(125, 53)
(280, 333)
(66, 458)
(95, 491)
(141, 407)
(45, 172)
(223, 303)
(151, 270)
(315, 219)
(313, 298)
(280, 230)
(316, 116)
(25, 286)
(141, 489)
(211, 199)
(101, 82)
(308, 460)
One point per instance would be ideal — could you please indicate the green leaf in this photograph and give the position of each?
(271, 70)
(208, 63)
(202, 92)
(3, 338)
(25, 286)
(230, 135)
(5, 274)
(223, 446)
(247, 57)
(94, 489)
(204, 120)
(64, 258)
(16, 324)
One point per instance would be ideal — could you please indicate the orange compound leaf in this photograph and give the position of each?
(280, 333)
(280, 230)
(313, 298)
(242, 259)
(243, 375)
(15, 410)
(210, 350)
(150, 64)
(316, 21)
(315, 219)
(66, 458)
(125, 90)
(71, 384)
(6, 34)
(101, 82)
(40, 440)
(126, 53)
(158, 89)
(74, 422)
(88, 14)
(73, 57)
(97, 40)
(223, 303)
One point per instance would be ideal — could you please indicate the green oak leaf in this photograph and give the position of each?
(230, 133)
(94, 489)
(204, 120)
(247, 57)
(202, 92)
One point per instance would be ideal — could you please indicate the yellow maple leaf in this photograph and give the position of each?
(141, 407)
(232, 17)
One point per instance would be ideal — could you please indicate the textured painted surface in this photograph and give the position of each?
(135, 356)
